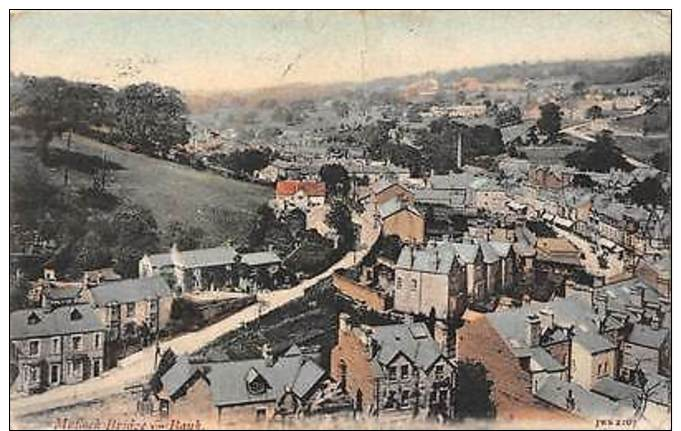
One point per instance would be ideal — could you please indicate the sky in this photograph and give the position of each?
(227, 50)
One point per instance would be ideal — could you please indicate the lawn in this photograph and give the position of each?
(224, 208)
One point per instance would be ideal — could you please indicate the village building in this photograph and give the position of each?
(402, 219)
(56, 346)
(383, 191)
(236, 392)
(299, 194)
(371, 287)
(549, 177)
(394, 370)
(133, 308)
(211, 269)
(656, 272)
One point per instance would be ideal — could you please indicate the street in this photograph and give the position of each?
(136, 368)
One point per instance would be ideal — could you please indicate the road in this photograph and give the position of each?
(137, 367)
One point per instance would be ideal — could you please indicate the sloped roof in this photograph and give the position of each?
(411, 340)
(203, 257)
(646, 336)
(587, 404)
(395, 205)
(178, 375)
(260, 258)
(310, 188)
(130, 290)
(437, 259)
(593, 343)
(59, 321)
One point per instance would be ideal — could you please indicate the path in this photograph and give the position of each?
(137, 367)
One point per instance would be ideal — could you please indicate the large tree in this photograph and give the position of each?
(599, 156)
(549, 122)
(151, 117)
(336, 178)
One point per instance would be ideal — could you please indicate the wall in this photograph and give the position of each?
(360, 374)
(197, 402)
(585, 365)
(421, 291)
(407, 225)
(392, 191)
(372, 298)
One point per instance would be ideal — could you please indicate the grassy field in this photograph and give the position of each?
(222, 207)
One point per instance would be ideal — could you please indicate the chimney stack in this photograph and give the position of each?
(458, 151)
(533, 330)
(267, 355)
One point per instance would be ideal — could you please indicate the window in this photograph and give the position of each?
(98, 340)
(34, 347)
(260, 414)
(96, 367)
(405, 398)
(34, 374)
(56, 345)
(443, 395)
(130, 309)
(54, 374)
(399, 283)
(414, 286)
(404, 372)
(76, 342)
(599, 369)
(152, 306)
(392, 373)
(439, 370)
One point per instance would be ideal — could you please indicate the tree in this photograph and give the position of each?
(473, 392)
(595, 112)
(151, 117)
(585, 181)
(662, 160)
(137, 234)
(578, 87)
(508, 116)
(550, 121)
(649, 192)
(340, 219)
(390, 247)
(296, 221)
(599, 156)
(183, 235)
(247, 161)
(336, 178)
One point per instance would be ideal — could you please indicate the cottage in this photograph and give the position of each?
(51, 347)
(393, 369)
(234, 392)
(402, 219)
(299, 194)
(133, 308)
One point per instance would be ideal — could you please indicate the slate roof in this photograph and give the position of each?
(55, 322)
(63, 292)
(203, 257)
(452, 181)
(626, 394)
(160, 260)
(228, 379)
(437, 259)
(587, 404)
(260, 258)
(593, 342)
(130, 290)
(411, 340)
(646, 336)
(178, 375)
(440, 197)
(395, 205)
(543, 361)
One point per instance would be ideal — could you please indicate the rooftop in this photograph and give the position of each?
(37, 322)
(130, 290)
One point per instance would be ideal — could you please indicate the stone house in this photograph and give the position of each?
(132, 308)
(383, 191)
(52, 347)
(211, 269)
(237, 392)
(402, 219)
(393, 370)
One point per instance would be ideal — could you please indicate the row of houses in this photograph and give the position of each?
(76, 332)
(598, 352)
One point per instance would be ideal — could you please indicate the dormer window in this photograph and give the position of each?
(33, 318)
(255, 383)
(76, 315)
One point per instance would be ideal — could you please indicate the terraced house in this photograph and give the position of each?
(51, 347)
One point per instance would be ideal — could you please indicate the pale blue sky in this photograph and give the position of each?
(238, 50)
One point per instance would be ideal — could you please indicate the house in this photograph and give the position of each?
(233, 392)
(132, 308)
(51, 347)
(402, 219)
(431, 280)
(52, 295)
(383, 191)
(299, 194)
(210, 268)
(393, 370)
(656, 272)
(557, 251)
(549, 177)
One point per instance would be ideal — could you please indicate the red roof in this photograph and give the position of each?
(310, 188)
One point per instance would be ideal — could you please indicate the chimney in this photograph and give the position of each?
(458, 151)
(437, 259)
(655, 321)
(533, 330)
(547, 318)
(267, 355)
(49, 274)
(570, 401)
(344, 324)
(408, 319)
